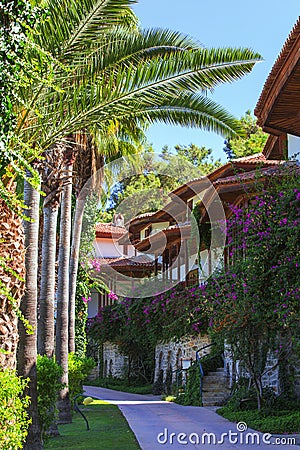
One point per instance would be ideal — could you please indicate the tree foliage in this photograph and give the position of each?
(13, 415)
(255, 301)
(156, 177)
(253, 141)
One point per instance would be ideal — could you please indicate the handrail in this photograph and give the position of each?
(198, 359)
(177, 372)
(77, 409)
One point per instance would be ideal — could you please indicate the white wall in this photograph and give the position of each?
(93, 305)
(293, 147)
(107, 248)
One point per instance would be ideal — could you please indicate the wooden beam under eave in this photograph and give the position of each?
(283, 70)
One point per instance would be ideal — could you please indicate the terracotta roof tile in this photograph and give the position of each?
(109, 230)
(135, 261)
(248, 176)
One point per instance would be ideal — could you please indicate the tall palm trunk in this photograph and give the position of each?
(88, 164)
(52, 182)
(47, 289)
(74, 258)
(27, 349)
(12, 253)
(63, 297)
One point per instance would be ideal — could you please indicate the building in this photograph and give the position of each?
(168, 237)
(119, 262)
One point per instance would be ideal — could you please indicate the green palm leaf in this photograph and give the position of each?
(72, 23)
(122, 74)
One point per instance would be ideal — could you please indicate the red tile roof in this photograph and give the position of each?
(247, 176)
(256, 159)
(108, 230)
(134, 261)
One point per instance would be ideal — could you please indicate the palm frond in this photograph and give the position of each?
(70, 24)
(117, 47)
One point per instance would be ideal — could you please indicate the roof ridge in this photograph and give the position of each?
(281, 59)
(245, 158)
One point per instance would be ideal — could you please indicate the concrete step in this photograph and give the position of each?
(216, 398)
(215, 378)
(214, 394)
(214, 388)
(216, 374)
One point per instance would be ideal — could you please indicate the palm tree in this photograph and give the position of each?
(27, 350)
(103, 73)
(52, 185)
(91, 154)
(61, 350)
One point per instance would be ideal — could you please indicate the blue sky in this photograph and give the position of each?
(262, 25)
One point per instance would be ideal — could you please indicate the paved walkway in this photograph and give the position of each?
(162, 425)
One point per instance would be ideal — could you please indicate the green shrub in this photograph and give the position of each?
(191, 394)
(48, 386)
(243, 397)
(159, 385)
(79, 369)
(283, 402)
(276, 423)
(13, 415)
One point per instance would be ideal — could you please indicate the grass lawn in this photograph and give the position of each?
(120, 385)
(108, 430)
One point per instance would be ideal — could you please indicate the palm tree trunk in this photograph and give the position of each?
(63, 298)
(47, 289)
(27, 349)
(74, 258)
(12, 256)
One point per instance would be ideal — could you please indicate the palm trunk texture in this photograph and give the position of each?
(27, 349)
(47, 290)
(77, 227)
(64, 405)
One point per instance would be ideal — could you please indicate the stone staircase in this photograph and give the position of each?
(216, 388)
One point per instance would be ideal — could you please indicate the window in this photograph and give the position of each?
(148, 231)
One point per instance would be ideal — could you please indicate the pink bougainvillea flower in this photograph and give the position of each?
(96, 264)
(86, 300)
(112, 296)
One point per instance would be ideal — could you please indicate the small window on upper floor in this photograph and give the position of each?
(148, 231)
(125, 250)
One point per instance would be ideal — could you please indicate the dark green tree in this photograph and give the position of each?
(253, 142)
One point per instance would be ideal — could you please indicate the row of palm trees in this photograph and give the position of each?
(98, 72)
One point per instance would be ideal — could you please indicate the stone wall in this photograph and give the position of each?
(114, 364)
(270, 378)
(172, 354)
(235, 371)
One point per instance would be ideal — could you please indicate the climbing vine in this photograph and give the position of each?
(254, 303)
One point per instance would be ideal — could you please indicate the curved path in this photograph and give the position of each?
(162, 425)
